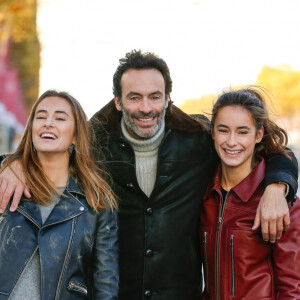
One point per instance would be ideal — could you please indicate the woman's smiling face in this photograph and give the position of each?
(53, 126)
(235, 136)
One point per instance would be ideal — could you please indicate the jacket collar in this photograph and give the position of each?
(245, 189)
(69, 206)
(109, 119)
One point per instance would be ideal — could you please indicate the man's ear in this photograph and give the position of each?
(118, 103)
(167, 101)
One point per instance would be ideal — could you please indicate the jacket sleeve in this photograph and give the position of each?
(286, 259)
(106, 261)
(279, 168)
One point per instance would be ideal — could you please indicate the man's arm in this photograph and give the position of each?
(272, 213)
(12, 182)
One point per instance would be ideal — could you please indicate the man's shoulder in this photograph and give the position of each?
(106, 118)
(181, 121)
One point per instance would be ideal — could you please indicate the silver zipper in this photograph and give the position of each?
(66, 259)
(220, 219)
(232, 265)
(1, 219)
(77, 287)
(206, 259)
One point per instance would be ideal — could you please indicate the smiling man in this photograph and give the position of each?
(144, 102)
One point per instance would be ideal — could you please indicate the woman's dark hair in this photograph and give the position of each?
(275, 138)
(138, 60)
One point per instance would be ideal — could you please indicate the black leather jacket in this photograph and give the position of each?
(159, 255)
(77, 246)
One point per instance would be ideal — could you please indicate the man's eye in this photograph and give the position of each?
(134, 98)
(155, 97)
(243, 132)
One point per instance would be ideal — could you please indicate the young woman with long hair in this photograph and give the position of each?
(238, 264)
(61, 243)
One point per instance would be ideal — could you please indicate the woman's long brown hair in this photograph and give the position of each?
(83, 169)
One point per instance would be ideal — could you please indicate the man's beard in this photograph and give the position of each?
(135, 129)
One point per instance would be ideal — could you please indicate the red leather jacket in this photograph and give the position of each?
(238, 264)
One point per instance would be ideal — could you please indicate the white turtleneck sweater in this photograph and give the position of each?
(146, 152)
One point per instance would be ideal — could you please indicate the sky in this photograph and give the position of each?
(208, 45)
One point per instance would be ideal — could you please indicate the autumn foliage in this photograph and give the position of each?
(18, 25)
(282, 85)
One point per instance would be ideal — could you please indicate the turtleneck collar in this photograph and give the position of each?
(147, 144)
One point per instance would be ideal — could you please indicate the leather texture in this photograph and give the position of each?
(238, 264)
(77, 246)
(159, 242)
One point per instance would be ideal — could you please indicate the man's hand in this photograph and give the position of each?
(10, 184)
(272, 213)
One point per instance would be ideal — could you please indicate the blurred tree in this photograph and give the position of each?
(282, 92)
(284, 84)
(18, 24)
(202, 105)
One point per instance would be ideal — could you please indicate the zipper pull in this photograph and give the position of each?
(204, 237)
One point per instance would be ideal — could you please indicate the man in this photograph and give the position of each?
(160, 161)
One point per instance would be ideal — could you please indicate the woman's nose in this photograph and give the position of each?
(48, 122)
(232, 141)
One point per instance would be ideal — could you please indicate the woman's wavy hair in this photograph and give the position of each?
(251, 98)
(82, 167)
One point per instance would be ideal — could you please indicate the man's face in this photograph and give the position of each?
(143, 102)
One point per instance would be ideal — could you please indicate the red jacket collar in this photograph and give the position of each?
(245, 189)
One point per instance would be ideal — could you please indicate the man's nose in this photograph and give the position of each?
(145, 106)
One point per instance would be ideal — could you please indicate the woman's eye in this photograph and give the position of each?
(40, 118)
(222, 130)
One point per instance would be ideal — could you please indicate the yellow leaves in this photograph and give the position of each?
(18, 25)
(284, 84)
(16, 18)
(202, 105)
(283, 92)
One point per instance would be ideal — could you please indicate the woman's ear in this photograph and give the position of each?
(259, 135)
(212, 133)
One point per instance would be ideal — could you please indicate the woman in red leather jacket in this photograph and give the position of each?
(238, 264)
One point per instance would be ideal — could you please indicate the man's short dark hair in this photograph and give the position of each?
(138, 61)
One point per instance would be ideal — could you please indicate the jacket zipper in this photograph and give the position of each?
(232, 265)
(66, 259)
(206, 259)
(76, 287)
(1, 219)
(220, 219)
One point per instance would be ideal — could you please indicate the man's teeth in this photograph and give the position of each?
(48, 135)
(232, 152)
(146, 120)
